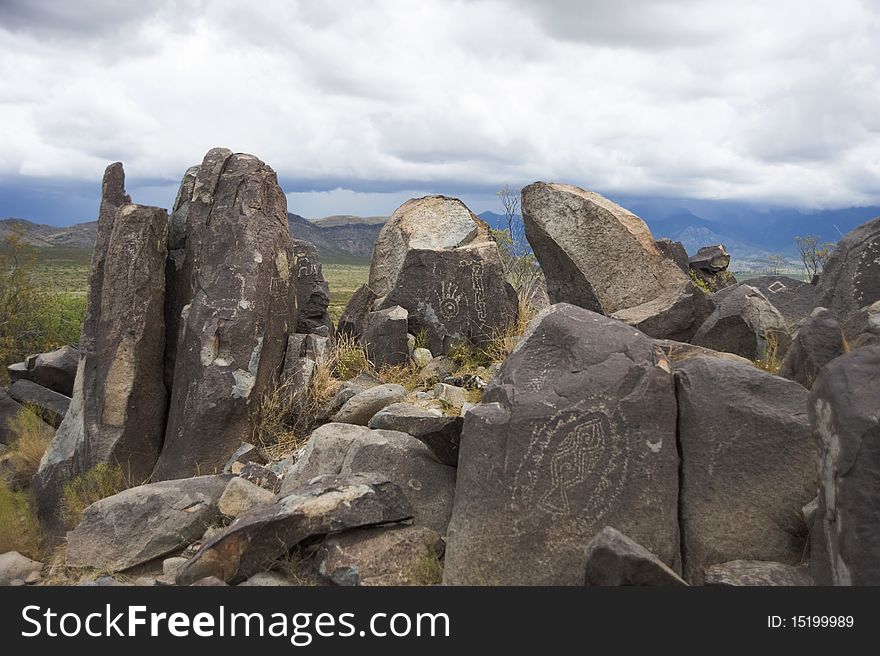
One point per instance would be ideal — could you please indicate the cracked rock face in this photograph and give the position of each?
(851, 278)
(237, 292)
(576, 432)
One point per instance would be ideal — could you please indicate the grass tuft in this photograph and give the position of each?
(19, 527)
(427, 570)
(771, 362)
(102, 481)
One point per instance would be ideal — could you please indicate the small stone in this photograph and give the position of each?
(171, 565)
(265, 580)
(241, 495)
(422, 357)
(451, 395)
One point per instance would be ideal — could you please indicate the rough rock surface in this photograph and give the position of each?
(676, 315)
(240, 309)
(615, 559)
(816, 343)
(353, 321)
(345, 449)
(851, 277)
(117, 411)
(328, 504)
(312, 291)
(677, 352)
(55, 369)
(757, 572)
(440, 433)
(437, 260)
(361, 407)
(9, 410)
(145, 522)
(674, 251)
(710, 265)
(744, 322)
(576, 432)
(793, 298)
(51, 406)
(749, 464)
(385, 337)
(240, 495)
(378, 556)
(863, 327)
(15, 566)
(844, 407)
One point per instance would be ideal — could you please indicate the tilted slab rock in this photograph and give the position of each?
(757, 572)
(749, 464)
(54, 369)
(816, 343)
(50, 406)
(615, 559)
(677, 352)
(673, 250)
(240, 310)
(844, 408)
(862, 328)
(576, 432)
(850, 279)
(329, 504)
(312, 291)
(440, 433)
(361, 406)
(145, 522)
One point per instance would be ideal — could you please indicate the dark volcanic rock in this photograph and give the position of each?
(851, 278)
(748, 464)
(862, 328)
(240, 309)
(328, 504)
(614, 559)
(312, 291)
(51, 406)
(117, 411)
(353, 321)
(757, 572)
(437, 260)
(793, 298)
(385, 337)
(844, 408)
(55, 369)
(145, 522)
(673, 250)
(710, 265)
(576, 432)
(440, 433)
(744, 323)
(816, 343)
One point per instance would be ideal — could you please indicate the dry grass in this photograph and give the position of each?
(427, 570)
(771, 362)
(297, 567)
(348, 358)
(19, 527)
(102, 481)
(34, 436)
(405, 375)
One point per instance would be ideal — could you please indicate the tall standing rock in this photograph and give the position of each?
(748, 464)
(438, 261)
(844, 408)
(851, 278)
(599, 256)
(241, 305)
(577, 432)
(118, 408)
(817, 342)
(312, 291)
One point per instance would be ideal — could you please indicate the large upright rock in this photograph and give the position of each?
(577, 432)
(312, 291)
(601, 257)
(851, 278)
(117, 411)
(744, 322)
(353, 321)
(240, 305)
(748, 464)
(438, 261)
(673, 250)
(844, 408)
(816, 343)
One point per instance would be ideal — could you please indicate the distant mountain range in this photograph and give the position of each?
(751, 236)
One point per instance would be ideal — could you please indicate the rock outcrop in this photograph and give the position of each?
(312, 291)
(850, 279)
(710, 265)
(674, 251)
(50, 406)
(438, 261)
(599, 256)
(816, 343)
(240, 303)
(749, 464)
(615, 559)
(757, 572)
(794, 299)
(55, 370)
(844, 407)
(576, 432)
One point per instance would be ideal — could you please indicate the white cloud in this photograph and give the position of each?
(773, 102)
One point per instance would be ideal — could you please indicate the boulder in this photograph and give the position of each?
(343, 449)
(748, 464)
(452, 395)
(145, 522)
(261, 475)
(844, 407)
(347, 390)
(850, 279)
(437, 260)
(675, 315)
(385, 337)
(757, 572)
(674, 251)
(793, 298)
(615, 559)
(328, 504)
(312, 291)
(239, 310)
(677, 352)
(396, 555)
(862, 328)
(361, 407)
(240, 495)
(710, 265)
(55, 369)
(51, 406)
(117, 411)
(576, 432)
(440, 433)
(9, 422)
(14, 566)
(422, 357)
(353, 321)
(266, 580)
(244, 454)
(816, 343)
(745, 323)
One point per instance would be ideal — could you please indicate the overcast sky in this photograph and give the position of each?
(360, 105)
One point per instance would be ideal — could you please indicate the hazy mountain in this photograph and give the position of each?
(81, 235)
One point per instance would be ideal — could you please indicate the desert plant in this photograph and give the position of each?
(19, 526)
(349, 358)
(421, 339)
(427, 570)
(102, 481)
(814, 254)
(770, 362)
(701, 284)
(33, 437)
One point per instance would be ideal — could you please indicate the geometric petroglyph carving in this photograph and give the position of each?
(575, 465)
(776, 286)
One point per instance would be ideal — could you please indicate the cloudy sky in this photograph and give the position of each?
(360, 105)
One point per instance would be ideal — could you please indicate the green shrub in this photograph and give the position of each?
(98, 483)
(19, 527)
